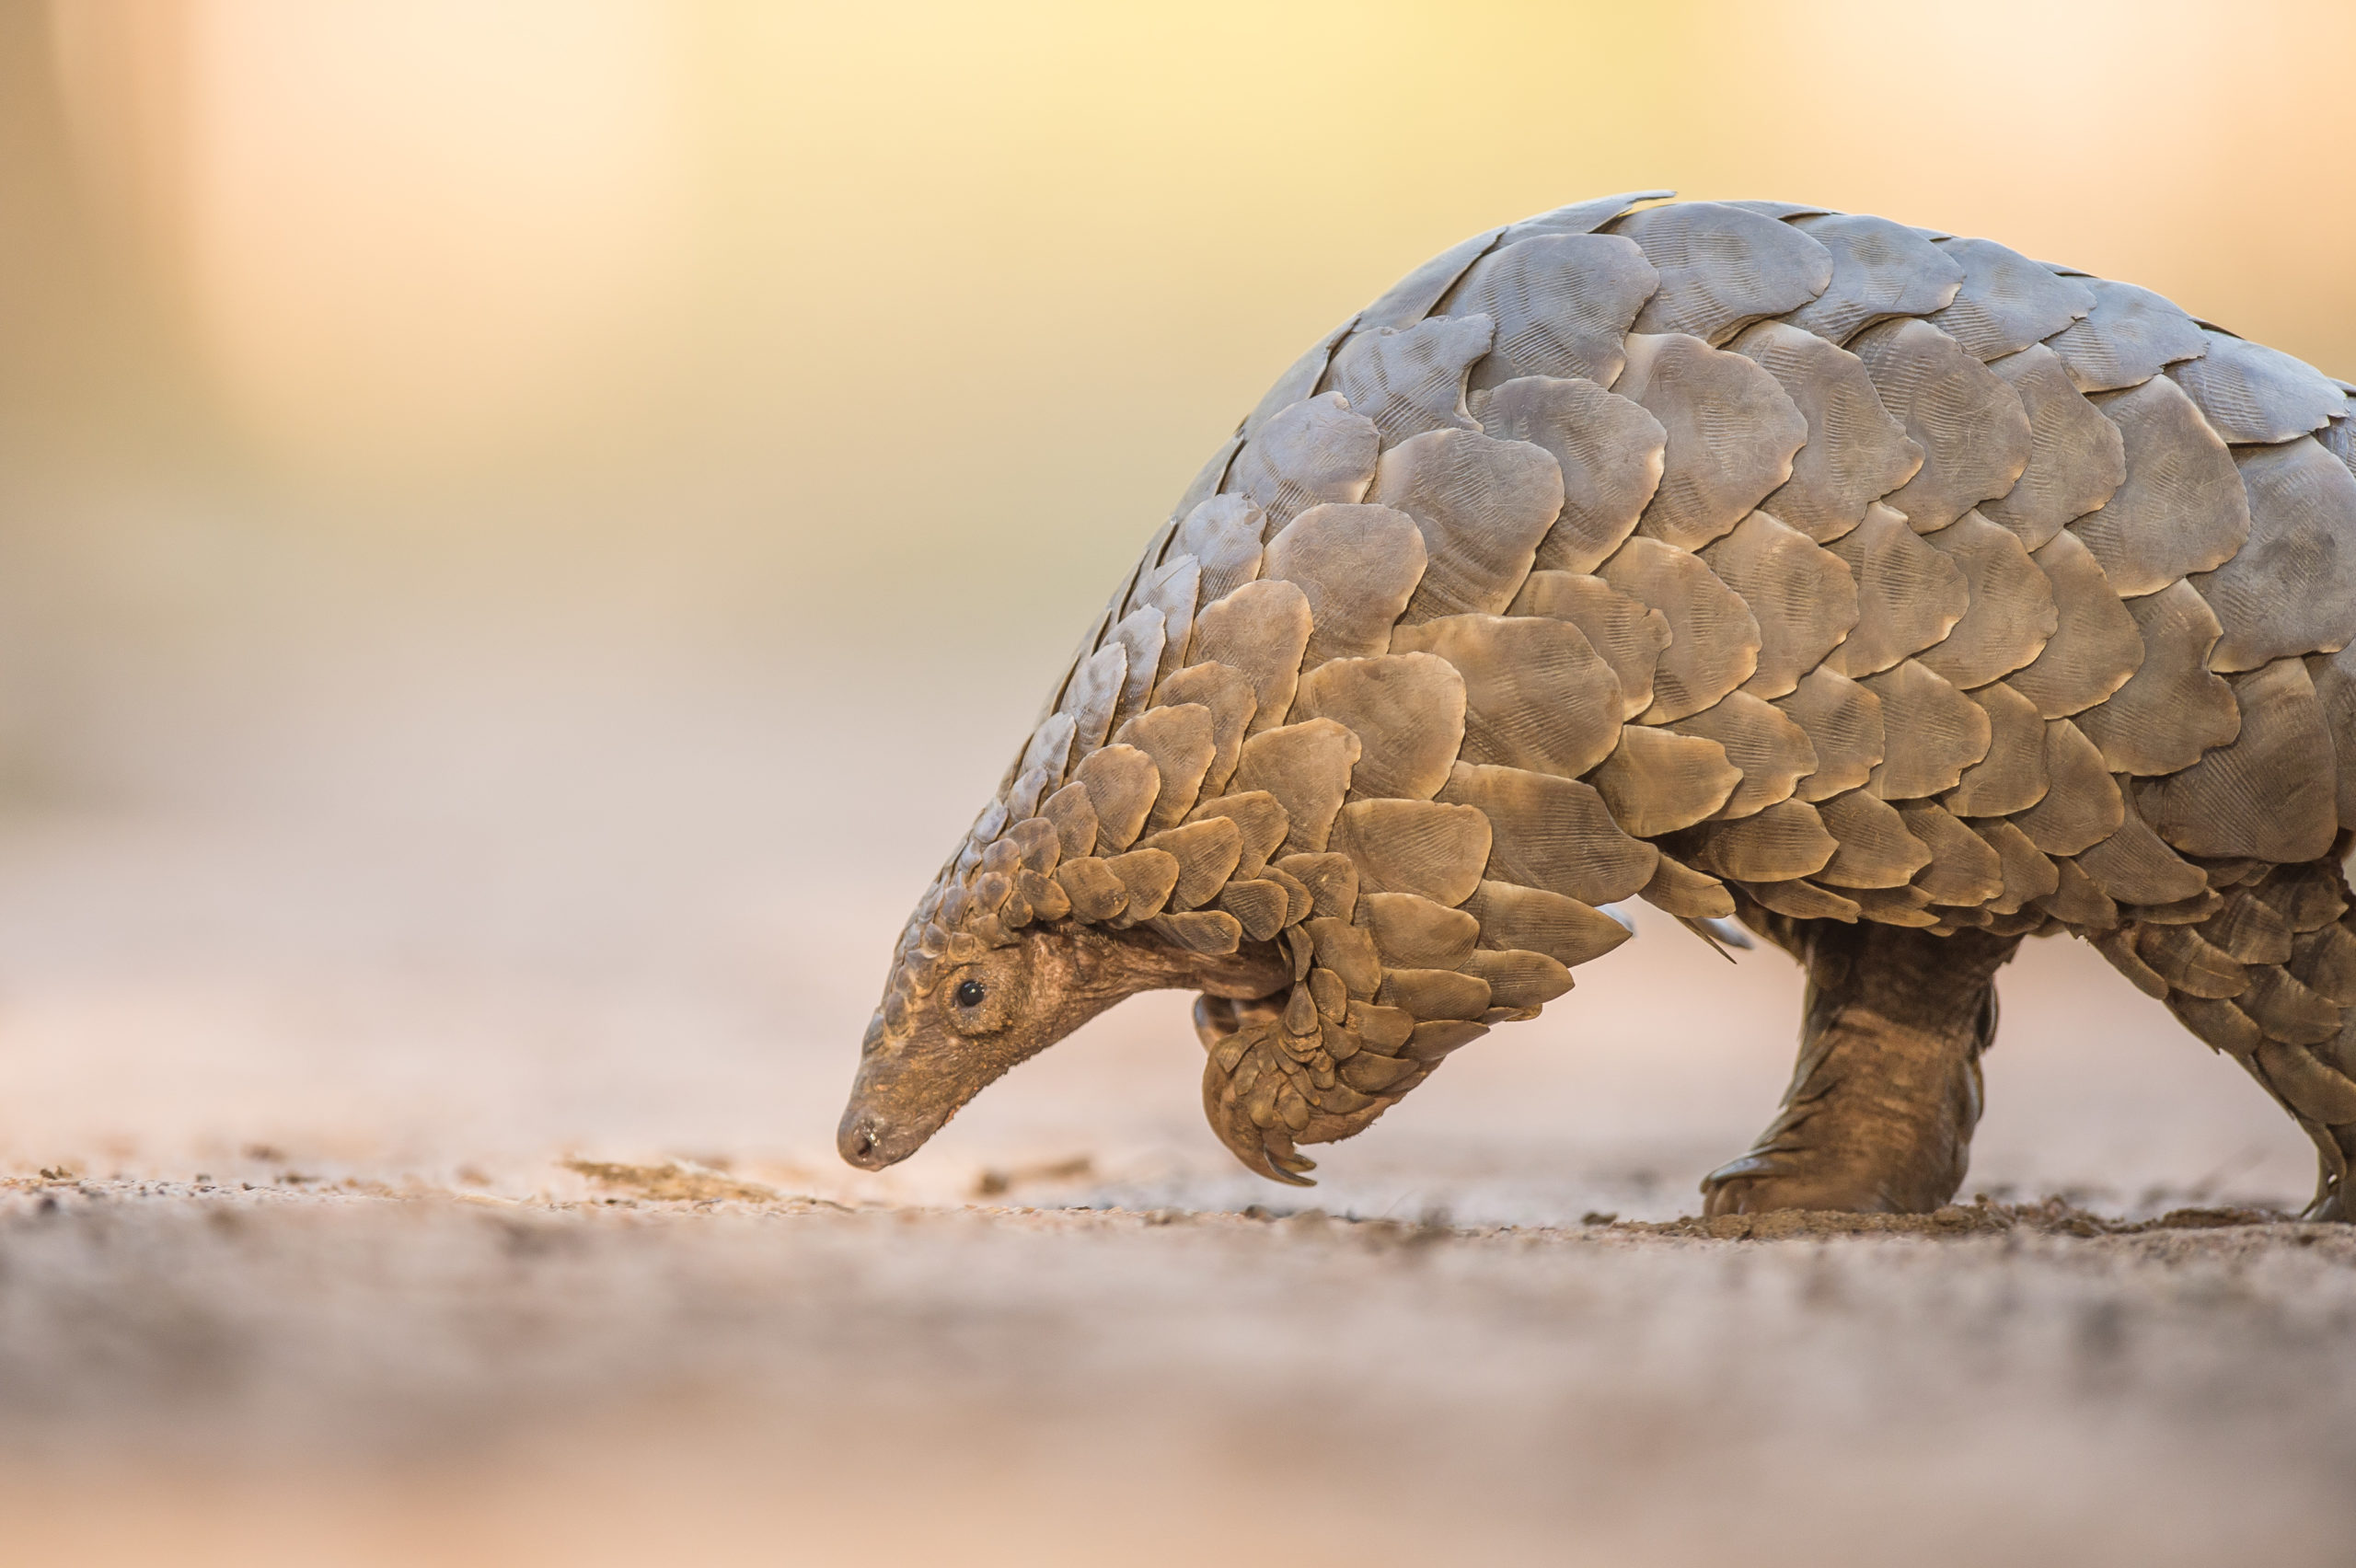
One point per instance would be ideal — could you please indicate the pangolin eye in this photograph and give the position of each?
(970, 993)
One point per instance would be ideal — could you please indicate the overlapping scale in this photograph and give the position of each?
(1407, 710)
(2011, 615)
(1769, 748)
(1537, 695)
(1731, 435)
(1411, 379)
(2077, 459)
(1610, 453)
(1714, 639)
(1969, 423)
(1356, 566)
(2291, 589)
(1561, 304)
(1481, 504)
(1722, 268)
(1316, 450)
(1879, 270)
(2007, 301)
(2254, 393)
(2129, 336)
(2183, 508)
(1855, 452)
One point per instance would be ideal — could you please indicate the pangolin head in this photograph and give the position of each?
(990, 970)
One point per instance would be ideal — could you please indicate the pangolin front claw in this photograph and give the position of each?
(1240, 1102)
(1282, 1153)
(1265, 1093)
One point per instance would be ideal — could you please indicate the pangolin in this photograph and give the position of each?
(1880, 588)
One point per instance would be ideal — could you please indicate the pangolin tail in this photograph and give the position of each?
(2265, 971)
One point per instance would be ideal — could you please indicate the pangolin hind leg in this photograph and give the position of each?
(1882, 1101)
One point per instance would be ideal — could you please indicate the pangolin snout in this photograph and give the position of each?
(864, 1140)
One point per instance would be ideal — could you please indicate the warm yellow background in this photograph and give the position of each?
(838, 288)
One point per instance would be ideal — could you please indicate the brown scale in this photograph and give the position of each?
(1842, 721)
(2011, 616)
(1482, 506)
(1730, 434)
(1802, 597)
(1536, 693)
(1561, 305)
(1261, 629)
(1687, 894)
(2129, 336)
(1306, 767)
(2096, 646)
(1879, 270)
(1714, 639)
(2007, 302)
(1932, 732)
(1610, 453)
(1769, 751)
(2251, 393)
(1910, 595)
(2291, 589)
(1854, 452)
(1974, 433)
(1551, 833)
(1658, 780)
(2173, 708)
(1407, 710)
(1411, 379)
(2263, 796)
(1722, 268)
(2181, 508)
(1627, 633)
(1317, 450)
(1964, 872)
(2077, 459)
(1356, 566)
(2011, 776)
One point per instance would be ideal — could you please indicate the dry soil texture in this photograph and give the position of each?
(281, 1373)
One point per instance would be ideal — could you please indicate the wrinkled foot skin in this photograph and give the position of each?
(1882, 1105)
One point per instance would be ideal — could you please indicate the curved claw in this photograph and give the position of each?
(1263, 1151)
(1283, 1155)
(1286, 1177)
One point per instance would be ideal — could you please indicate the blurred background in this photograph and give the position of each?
(528, 526)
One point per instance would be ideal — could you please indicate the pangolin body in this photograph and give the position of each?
(1738, 557)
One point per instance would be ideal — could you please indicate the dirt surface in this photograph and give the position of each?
(307, 1373)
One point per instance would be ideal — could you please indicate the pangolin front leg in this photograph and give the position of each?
(1882, 1105)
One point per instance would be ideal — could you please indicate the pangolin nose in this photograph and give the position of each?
(856, 1141)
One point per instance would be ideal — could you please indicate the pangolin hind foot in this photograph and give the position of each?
(1909, 596)
(1882, 1105)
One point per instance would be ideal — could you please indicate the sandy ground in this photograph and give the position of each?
(307, 1040)
(305, 1377)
